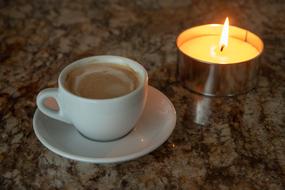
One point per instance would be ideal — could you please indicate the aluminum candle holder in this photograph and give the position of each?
(218, 79)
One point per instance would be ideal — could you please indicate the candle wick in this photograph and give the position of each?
(222, 47)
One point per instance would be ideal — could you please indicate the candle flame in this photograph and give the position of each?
(225, 35)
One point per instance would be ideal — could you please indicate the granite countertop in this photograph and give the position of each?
(241, 144)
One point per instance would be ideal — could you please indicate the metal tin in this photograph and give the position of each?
(214, 79)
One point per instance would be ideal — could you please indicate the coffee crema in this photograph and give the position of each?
(101, 80)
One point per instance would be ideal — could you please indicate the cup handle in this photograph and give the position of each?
(53, 93)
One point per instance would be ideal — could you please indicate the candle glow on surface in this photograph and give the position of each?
(219, 48)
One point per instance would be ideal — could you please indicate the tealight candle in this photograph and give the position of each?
(218, 60)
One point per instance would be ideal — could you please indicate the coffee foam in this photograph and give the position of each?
(101, 81)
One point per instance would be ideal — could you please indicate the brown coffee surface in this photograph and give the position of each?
(101, 80)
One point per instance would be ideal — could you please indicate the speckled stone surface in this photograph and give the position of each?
(241, 144)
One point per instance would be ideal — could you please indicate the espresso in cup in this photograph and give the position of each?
(87, 91)
(101, 80)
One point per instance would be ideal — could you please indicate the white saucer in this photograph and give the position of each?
(152, 130)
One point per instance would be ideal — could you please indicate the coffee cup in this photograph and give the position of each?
(101, 96)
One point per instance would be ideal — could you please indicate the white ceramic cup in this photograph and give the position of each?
(98, 119)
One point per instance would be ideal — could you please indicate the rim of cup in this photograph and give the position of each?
(138, 68)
